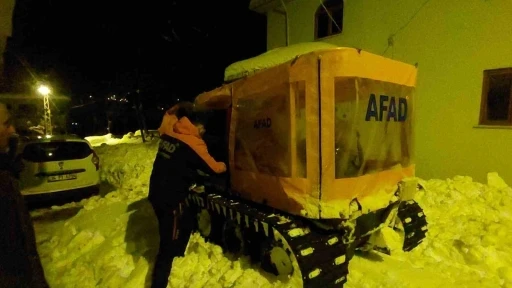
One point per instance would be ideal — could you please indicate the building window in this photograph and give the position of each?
(496, 103)
(324, 16)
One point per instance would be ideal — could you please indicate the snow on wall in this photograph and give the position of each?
(271, 58)
(113, 241)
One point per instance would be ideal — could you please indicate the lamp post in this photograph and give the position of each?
(45, 91)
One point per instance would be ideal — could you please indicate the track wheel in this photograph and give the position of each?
(210, 226)
(232, 238)
(277, 259)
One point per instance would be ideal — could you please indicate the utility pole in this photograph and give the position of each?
(45, 91)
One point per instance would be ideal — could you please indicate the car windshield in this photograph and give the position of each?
(56, 151)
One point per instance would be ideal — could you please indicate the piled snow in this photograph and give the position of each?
(127, 165)
(109, 140)
(133, 138)
(272, 58)
(469, 227)
(112, 241)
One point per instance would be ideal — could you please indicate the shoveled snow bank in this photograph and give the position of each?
(469, 227)
(272, 58)
(114, 245)
(109, 139)
(112, 241)
(127, 165)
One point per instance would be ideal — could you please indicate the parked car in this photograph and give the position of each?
(58, 166)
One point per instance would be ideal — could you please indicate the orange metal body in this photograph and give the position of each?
(311, 135)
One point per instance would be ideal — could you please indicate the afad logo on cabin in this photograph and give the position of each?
(262, 123)
(376, 110)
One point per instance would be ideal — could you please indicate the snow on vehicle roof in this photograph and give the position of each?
(272, 58)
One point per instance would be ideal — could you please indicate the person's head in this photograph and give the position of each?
(195, 118)
(187, 109)
(6, 127)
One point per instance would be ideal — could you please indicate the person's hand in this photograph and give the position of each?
(223, 167)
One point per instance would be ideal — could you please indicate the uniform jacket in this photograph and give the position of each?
(181, 153)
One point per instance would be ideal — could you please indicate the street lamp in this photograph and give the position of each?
(45, 91)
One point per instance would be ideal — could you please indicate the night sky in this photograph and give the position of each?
(167, 49)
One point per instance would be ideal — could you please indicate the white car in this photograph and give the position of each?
(58, 165)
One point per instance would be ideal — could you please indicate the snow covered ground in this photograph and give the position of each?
(111, 241)
(109, 139)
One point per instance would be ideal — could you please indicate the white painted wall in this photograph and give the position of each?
(6, 10)
(276, 35)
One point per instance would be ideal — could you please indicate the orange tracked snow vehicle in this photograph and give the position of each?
(321, 163)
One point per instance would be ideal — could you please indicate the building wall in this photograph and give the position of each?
(452, 42)
(276, 30)
(5, 30)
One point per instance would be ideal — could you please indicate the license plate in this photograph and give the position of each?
(64, 177)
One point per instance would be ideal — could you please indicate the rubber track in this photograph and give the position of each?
(327, 247)
(414, 223)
